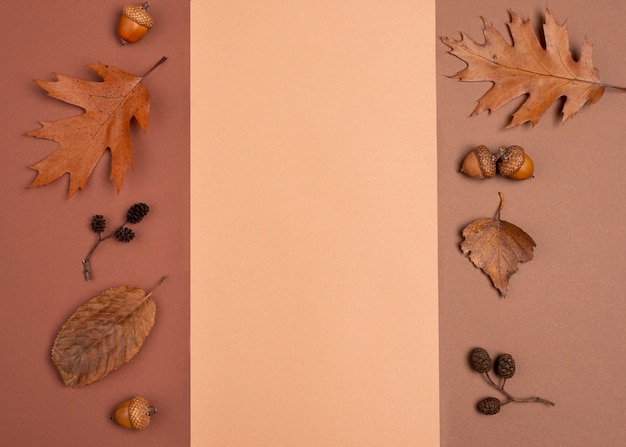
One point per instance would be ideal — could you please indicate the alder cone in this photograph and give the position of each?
(103, 334)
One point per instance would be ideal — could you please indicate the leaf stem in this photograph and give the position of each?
(500, 206)
(615, 87)
(163, 59)
(163, 278)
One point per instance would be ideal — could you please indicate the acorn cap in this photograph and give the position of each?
(139, 412)
(480, 163)
(511, 160)
(139, 14)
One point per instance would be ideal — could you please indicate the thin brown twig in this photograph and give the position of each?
(512, 398)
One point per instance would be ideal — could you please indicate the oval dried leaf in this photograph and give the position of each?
(103, 334)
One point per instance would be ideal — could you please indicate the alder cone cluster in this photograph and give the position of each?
(103, 335)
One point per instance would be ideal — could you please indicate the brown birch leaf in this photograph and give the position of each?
(109, 106)
(497, 247)
(543, 74)
(103, 334)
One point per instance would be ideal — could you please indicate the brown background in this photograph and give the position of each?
(45, 236)
(563, 320)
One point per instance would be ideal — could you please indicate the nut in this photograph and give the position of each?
(134, 413)
(513, 162)
(479, 163)
(134, 23)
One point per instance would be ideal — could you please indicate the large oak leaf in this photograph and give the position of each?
(103, 334)
(497, 247)
(544, 74)
(109, 107)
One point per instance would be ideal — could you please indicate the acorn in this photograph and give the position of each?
(479, 163)
(134, 413)
(134, 23)
(514, 162)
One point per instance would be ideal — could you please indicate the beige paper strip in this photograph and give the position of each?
(314, 224)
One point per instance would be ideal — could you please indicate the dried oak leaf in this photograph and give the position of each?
(109, 107)
(497, 247)
(103, 334)
(527, 68)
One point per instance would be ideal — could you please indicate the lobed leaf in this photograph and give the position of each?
(109, 107)
(543, 74)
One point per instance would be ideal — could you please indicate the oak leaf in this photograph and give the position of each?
(109, 107)
(103, 334)
(544, 74)
(497, 247)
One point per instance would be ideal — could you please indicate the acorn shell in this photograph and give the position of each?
(479, 163)
(134, 413)
(134, 23)
(515, 163)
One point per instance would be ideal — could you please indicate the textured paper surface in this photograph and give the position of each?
(314, 267)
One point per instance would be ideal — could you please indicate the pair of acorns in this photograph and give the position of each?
(511, 162)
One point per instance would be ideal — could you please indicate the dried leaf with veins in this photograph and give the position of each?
(109, 107)
(497, 247)
(103, 334)
(544, 74)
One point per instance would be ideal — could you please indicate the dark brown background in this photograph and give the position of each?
(564, 317)
(45, 236)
